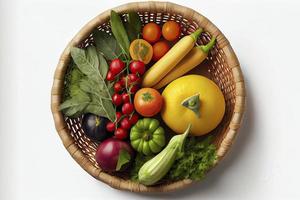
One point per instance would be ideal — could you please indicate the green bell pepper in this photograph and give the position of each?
(147, 137)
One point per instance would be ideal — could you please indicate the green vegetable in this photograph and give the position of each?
(107, 45)
(147, 136)
(195, 160)
(156, 168)
(89, 92)
(119, 32)
(124, 158)
(133, 25)
(139, 161)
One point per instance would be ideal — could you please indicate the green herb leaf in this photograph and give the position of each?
(91, 93)
(75, 105)
(119, 32)
(139, 161)
(86, 60)
(107, 45)
(124, 157)
(133, 25)
(198, 157)
(103, 67)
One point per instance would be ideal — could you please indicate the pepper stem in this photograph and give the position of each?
(193, 103)
(206, 48)
(196, 34)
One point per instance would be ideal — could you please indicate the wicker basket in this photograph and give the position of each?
(222, 67)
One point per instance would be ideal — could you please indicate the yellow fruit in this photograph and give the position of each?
(141, 50)
(165, 64)
(181, 98)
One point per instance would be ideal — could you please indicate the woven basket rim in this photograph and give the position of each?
(58, 84)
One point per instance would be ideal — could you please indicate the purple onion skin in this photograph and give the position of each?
(107, 154)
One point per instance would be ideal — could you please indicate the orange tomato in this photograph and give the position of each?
(171, 30)
(151, 32)
(160, 49)
(141, 50)
(148, 102)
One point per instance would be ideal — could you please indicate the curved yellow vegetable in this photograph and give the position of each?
(190, 61)
(170, 59)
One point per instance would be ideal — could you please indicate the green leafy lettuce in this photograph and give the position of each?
(193, 162)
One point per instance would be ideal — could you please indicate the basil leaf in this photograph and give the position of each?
(133, 25)
(107, 45)
(124, 157)
(119, 32)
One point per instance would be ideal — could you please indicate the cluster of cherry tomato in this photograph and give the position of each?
(152, 33)
(126, 84)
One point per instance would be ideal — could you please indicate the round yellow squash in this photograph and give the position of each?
(193, 99)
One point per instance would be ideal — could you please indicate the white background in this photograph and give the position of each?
(264, 161)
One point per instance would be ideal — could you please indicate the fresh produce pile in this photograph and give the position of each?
(115, 87)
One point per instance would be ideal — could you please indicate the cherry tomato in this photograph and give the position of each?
(137, 67)
(125, 123)
(125, 97)
(133, 89)
(116, 66)
(110, 76)
(134, 118)
(117, 99)
(171, 30)
(160, 49)
(118, 87)
(118, 115)
(148, 102)
(127, 108)
(110, 126)
(133, 79)
(121, 133)
(122, 80)
(151, 32)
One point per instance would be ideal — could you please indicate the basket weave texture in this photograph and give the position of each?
(221, 66)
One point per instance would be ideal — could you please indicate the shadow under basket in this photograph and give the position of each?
(221, 66)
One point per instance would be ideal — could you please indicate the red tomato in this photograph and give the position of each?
(148, 102)
(171, 30)
(118, 115)
(118, 87)
(110, 126)
(151, 32)
(122, 80)
(125, 123)
(133, 79)
(116, 66)
(110, 76)
(137, 67)
(125, 97)
(121, 133)
(134, 118)
(134, 89)
(160, 49)
(117, 99)
(127, 108)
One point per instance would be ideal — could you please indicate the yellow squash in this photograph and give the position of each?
(170, 59)
(190, 61)
(193, 99)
